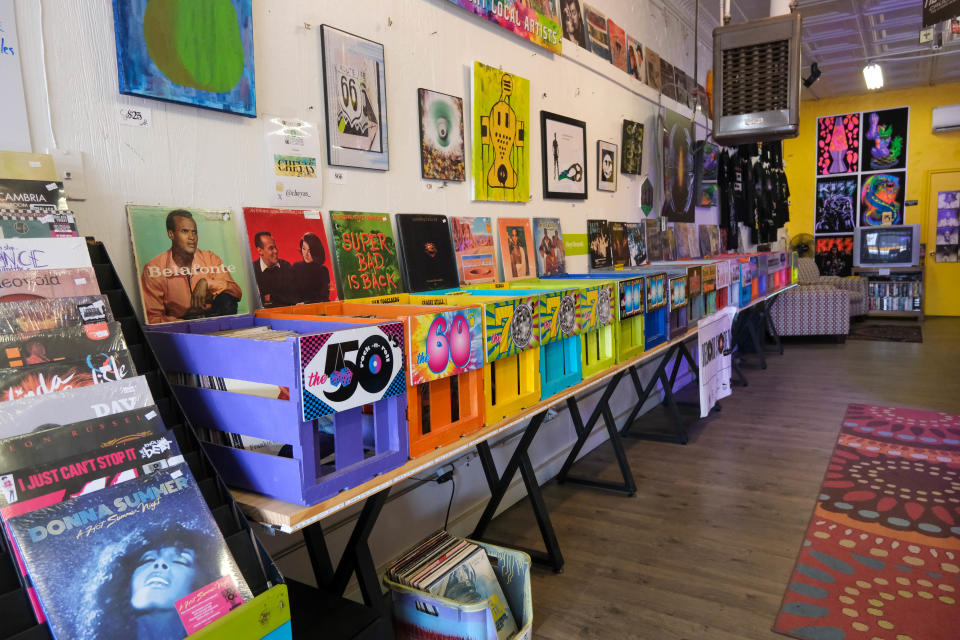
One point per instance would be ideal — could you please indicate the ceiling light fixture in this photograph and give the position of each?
(873, 75)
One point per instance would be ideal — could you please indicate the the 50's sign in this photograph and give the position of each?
(350, 368)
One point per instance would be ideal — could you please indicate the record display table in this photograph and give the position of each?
(287, 517)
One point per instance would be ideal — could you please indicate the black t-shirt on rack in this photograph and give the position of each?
(728, 217)
(744, 191)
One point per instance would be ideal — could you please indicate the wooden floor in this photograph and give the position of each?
(706, 547)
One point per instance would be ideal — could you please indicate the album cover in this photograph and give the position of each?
(618, 45)
(516, 248)
(653, 68)
(59, 442)
(636, 66)
(704, 233)
(190, 263)
(473, 244)
(668, 83)
(670, 246)
(37, 413)
(473, 580)
(683, 247)
(47, 283)
(37, 224)
(75, 344)
(367, 263)
(144, 447)
(654, 238)
(32, 254)
(597, 35)
(714, 239)
(619, 251)
(90, 312)
(548, 238)
(636, 243)
(598, 239)
(32, 194)
(291, 260)
(144, 555)
(428, 259)
(50, 377)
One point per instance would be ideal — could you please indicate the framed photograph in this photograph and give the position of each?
(564, 149)
(356, 100)
(606, 166)
(441, 136)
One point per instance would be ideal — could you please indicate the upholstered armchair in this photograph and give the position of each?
(820, 305)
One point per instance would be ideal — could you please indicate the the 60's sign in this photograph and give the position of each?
(350, 368)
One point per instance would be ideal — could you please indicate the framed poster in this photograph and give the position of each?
(516, 248)
(631, 162)
(354, 75)
(441, 135)
(834, 255)
(187, 52)
(563, 143)
(881, 198)
(678, 167)
(836, 206)
(606, 166)
(838, 144)
(948, 226)
(884, 143)
(501, 123)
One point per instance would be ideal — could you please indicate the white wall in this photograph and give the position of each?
(197, 158)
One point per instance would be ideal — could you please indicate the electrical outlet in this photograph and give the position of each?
(69, 166)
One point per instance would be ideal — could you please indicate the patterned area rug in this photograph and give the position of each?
(888, 331)
(881, 556)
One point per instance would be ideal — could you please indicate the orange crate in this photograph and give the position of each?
(444, 399)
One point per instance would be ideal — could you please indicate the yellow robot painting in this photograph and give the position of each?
(501, 113)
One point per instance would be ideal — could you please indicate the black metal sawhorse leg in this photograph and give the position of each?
(356, 558)
(768, 324)
(500, 483)
(675, 354)
(628, 485)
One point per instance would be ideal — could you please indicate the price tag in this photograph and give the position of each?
(884, 272)
(341, 370)
(135, 116)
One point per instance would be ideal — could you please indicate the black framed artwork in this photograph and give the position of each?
(606, 166)
(564, 156)
(356, 100)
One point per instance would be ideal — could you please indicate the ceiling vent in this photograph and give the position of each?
(756, 71)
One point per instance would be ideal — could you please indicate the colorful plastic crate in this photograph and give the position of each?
(558, 326)
(511, 338)
(444, 347)
(340, 407)
(678, 305)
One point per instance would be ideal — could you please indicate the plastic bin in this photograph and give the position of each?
(418, 615)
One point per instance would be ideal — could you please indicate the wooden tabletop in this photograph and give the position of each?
(289, 517)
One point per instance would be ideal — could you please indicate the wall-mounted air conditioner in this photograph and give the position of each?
(756, 76)
(946, 118)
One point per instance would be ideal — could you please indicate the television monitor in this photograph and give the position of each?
(888, 246)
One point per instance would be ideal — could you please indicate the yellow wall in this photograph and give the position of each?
(926, 152)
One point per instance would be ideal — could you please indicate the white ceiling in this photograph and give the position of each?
(843, 35)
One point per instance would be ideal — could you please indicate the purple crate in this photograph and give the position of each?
(359, 454)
